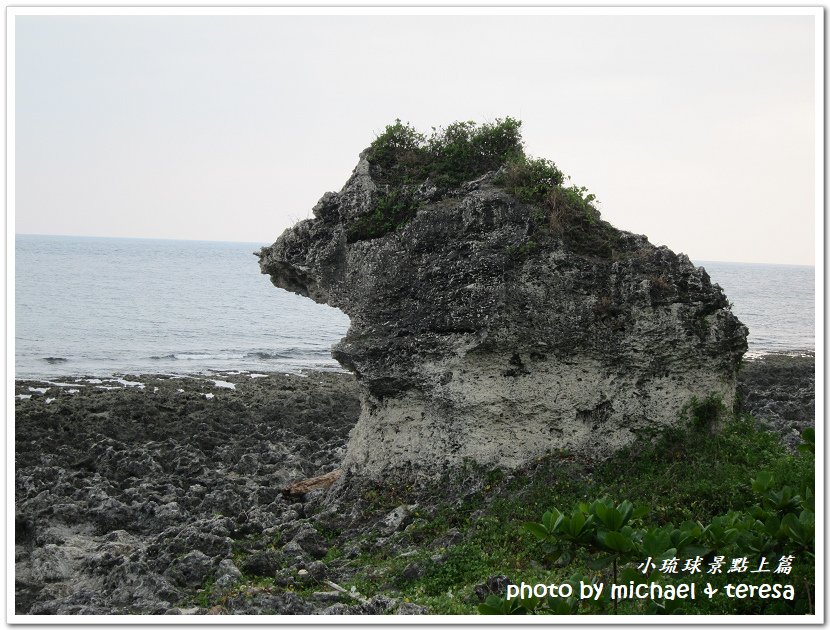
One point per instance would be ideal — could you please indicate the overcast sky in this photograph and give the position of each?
(696, 131)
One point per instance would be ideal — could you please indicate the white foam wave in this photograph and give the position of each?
(126, 383)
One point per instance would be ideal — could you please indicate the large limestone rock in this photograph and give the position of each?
(476, 335)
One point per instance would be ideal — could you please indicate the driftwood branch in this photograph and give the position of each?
(340, 589)
(303, 487)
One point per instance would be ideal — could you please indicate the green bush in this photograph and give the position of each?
(706, 413)
(448, 157)
(400, 147)
(684, 476)
(780, 522)
(529, 179)
(463, 564)
(402, 160)
(464, 151)
(391, 211)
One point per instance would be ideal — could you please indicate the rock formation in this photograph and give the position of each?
(499, 318)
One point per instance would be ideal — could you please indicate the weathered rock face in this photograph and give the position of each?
(474, 335)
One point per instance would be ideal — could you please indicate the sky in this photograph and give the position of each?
(698, 131)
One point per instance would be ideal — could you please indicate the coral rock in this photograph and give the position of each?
(475, 335)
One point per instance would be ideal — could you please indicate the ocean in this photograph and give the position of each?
(103, 306)
(776, 302)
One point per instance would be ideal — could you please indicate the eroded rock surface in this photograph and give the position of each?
(779, 390)
(134, 499)
(160, 500)
(476, 335)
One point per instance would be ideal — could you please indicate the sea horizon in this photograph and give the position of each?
(696, 261)
(101, 305)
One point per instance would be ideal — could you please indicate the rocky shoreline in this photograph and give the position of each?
(162, 494)
(779, 390)
(131, 492)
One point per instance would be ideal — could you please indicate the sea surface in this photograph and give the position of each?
(104, 306)
(776, 302)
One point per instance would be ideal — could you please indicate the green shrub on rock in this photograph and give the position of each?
(448, 157)
(410, 167)
(403, 159)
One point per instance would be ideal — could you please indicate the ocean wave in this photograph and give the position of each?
(757, 354)
(196, 356)
(54, 360)
(265, 356)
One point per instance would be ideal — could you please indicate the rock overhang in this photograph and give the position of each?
(479, 321)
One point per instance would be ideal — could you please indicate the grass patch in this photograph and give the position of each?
(686, 474)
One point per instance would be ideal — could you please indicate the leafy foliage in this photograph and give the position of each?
(531, 180)
(410, 166)
(450, 156)
(705, 413)
(404, 159)
(464, 150)
(391, 211)
(809, 441)
(399, 152)
(685, 475)
(780, 522)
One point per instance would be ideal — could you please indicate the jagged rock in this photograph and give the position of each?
(50, 563)
(266, 604)
(477, 334)
(317, 570)
(132, 585)
(190, 570)
(227, 576)
(398, 518)
(169, 514)
(24, 529)
(96, 535)
(248, 464)
(228, 568)
(263, 563)
(109, 555)
(295, 555)
(377, 605)
(779, 390)
(311, 542)
(122, 571)
(408, 608)
(413, 571)
(326, 596)
(337, 609)
(175, 542)
(494, 585)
